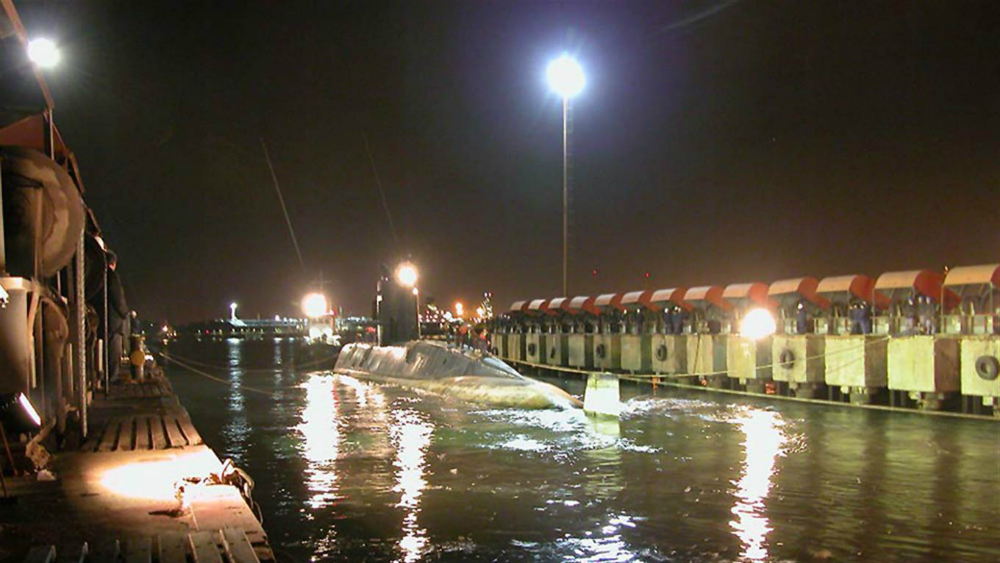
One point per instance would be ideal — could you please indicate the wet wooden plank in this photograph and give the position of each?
(105, 551)
(204, 548)
(173, 548)
(94, 439)
(174, 432)
(238, 546)
(126, 439)
(157, 433)
(142, 441)
(72, 553)
(41, 554)
(110, 438)
(138, 550)
(190, 433)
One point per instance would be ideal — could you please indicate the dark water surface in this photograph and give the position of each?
(352, 471)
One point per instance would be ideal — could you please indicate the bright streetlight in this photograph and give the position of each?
(566, 78)
(314, 305)
(43, 52)
(406, 274)
(232, 310)
(459, 309)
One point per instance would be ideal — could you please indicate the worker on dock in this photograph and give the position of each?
(118, 315)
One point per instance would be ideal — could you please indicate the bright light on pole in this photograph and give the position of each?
(566, 78)
(406, 274)
(459, 309)
(43, 52)
(232, 310)
(757, 324)
(314, 305)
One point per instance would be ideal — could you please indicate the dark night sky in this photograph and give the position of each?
(716, 142)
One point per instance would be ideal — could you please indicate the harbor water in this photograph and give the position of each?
(347, 470)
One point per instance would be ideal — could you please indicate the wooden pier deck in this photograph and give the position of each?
(142, 487)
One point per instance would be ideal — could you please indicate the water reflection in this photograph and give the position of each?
(238, 429)
(762, 444)
(411, 435)
(320, 440)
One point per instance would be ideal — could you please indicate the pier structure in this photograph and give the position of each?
(92, 467)
(915, 339)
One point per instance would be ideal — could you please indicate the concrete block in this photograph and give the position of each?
(608, 351)
(705, 353)
(515, 347)
(855, 360)
(980, 380)
(637, 354)
(798, 358)
(924, 363)
(581, 350)
(534, 343)
(669, 353)
(748, 359)
(556, 349)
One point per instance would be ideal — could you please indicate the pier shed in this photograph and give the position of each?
(748, 360)
(974, 324)
(669, 344)
(607, 343)
(854, 360)
(705, 346)
(921, 364)
(797, 351)
(637, 342)
(581, 342)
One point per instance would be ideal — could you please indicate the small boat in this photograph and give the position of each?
(449, 370)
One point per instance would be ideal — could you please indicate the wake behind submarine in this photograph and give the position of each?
(401, 358)
(446, 370)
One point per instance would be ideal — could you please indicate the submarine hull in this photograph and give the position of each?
(445, 370)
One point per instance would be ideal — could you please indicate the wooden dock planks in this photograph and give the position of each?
(138, 550)
(238, 546)
(143, 432)
(174, 432)
(173, 548)
(157, 434)
(142, 441)
(229, 545)
(204, 547)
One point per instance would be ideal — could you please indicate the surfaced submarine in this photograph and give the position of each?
(448, 370)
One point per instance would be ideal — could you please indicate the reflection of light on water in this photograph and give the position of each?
(763, 443)
(237, 430)
(320, 439)
(608, 546)
(360, 389)
(412, 436)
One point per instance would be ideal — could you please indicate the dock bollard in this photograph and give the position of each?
(602, 396)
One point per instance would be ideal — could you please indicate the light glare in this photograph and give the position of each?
(314, 305)
(29, 409)
(757, 324)
(406, 274)
(43, 52)
(565, 76)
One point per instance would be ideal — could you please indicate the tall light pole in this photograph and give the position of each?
(566, 78)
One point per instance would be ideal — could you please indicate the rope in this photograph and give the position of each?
(311, 363)
(211, 377)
